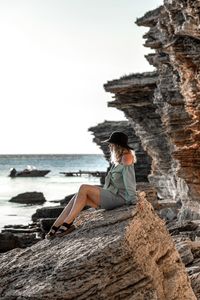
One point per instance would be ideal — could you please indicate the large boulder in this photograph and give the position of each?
(126, 253)
(29, 198)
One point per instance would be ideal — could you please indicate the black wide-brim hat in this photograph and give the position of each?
(118, 138)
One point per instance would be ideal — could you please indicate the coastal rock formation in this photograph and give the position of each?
(125, 253)
(174, 34)
(29, 198)
(102, 132)
(134, 95)
(163, 106)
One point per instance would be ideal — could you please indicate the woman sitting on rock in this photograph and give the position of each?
(119, 188)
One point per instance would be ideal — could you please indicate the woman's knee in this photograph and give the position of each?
(83, 188)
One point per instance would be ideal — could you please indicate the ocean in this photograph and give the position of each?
(54, 186)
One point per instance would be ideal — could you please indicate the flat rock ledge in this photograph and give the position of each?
(126, 253)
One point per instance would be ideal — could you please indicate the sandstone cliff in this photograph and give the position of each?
(134, 95)
(163, 107)
(174, 34)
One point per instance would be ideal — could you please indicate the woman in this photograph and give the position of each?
(119, 188)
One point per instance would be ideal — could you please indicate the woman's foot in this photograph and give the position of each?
(65, 228)
(52, 233)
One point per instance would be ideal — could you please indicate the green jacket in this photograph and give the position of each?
(121, 180)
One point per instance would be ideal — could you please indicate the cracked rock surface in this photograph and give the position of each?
(126, 253)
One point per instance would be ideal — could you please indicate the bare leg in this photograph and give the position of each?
(64, 213)
(87, 195)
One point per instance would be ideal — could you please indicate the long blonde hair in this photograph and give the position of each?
(117, 151)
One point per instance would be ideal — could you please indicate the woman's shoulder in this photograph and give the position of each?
(127, 159)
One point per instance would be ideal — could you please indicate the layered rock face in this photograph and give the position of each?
(102, 132)
(163, 107)
(102, 259)
(174, 34)
(134, 95)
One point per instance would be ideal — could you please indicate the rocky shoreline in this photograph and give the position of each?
(185, 234)
(92, 248)
(164, 112)
(22, 236)
(151, 251)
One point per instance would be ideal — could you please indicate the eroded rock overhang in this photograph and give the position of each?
(175, 36)
(134, 95)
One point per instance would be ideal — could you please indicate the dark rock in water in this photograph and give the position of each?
(47, 212)
(9, 241)
(29, 198)
(66, 199)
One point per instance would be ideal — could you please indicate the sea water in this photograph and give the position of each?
(54, 186)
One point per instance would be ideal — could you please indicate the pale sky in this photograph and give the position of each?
(55, 56)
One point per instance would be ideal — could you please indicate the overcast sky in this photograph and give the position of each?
(55, 56)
